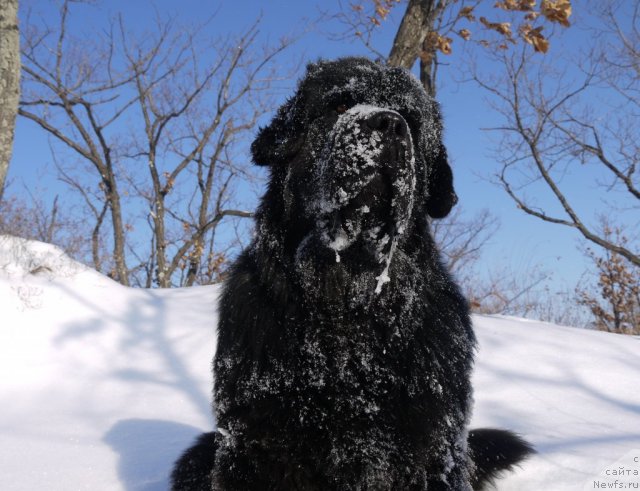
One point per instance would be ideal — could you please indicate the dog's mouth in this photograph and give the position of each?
(367, 179)
(367, 219)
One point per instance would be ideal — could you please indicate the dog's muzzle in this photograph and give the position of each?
(367, 180)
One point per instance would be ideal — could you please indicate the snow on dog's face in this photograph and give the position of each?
(356, 158)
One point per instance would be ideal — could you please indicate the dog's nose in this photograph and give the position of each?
(387, 122)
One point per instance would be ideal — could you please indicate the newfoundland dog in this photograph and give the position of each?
(344, 347)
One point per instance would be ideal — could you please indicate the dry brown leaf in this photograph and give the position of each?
(444, 45)
(519, 5)
(540, 44)
(506, 5)
(465, 34)
(503, 28)
(437, 42)
(556, 11)
(466, 12)
(534, 37)
(383, 7)
(375, 21)
(382, 11)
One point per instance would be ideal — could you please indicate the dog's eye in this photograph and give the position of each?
(342, 108)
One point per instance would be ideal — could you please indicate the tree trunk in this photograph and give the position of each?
(9, 82)
(407, 44)
(119, 241)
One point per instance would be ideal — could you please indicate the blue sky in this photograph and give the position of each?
(521, 243)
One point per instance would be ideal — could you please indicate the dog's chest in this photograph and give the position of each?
(348, 359)
(341, 378)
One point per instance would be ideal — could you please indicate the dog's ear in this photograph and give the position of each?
(279, 140)
(442, 196)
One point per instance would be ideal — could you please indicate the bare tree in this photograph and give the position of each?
(34, 219)
(428, 28)
(615, 305)
(9, 82)
(551, 127)
(507, 293)
(462, 239)
(157, 120)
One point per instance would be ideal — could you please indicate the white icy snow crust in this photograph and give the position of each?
(103, 386)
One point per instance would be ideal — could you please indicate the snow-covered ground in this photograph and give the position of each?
(102, 386)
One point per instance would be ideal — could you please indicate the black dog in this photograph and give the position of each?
(344, 347)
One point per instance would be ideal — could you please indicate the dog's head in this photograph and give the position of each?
(356, 156)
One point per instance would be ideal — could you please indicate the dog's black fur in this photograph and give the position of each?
(344, 347)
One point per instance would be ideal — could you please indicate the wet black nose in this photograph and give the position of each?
(388, 123)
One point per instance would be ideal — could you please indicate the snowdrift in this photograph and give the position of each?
(102, 386)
